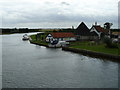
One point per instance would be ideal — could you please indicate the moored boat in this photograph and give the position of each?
(58, 44)
(25, 37)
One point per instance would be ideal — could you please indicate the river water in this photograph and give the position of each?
(25, 65)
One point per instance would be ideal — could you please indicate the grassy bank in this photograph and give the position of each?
(97, 48)
(85, 45)
(40, 40)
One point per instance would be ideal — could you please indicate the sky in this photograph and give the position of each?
(57, 13)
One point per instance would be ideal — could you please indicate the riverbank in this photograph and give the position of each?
(86, 52)
(36, 43)
(93, 53)
(95, 47)
(84, 48)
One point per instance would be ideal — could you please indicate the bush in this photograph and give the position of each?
(114, 45)
(109, 43)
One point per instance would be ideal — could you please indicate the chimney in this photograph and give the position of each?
(95, 23)
(72, 27)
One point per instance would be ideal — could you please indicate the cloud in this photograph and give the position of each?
(62, 13)
(65, 3)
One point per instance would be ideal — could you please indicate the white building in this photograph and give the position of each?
(60, 36)
(99, 31)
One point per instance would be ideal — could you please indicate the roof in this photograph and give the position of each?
(100, 29)
(83, 30)
(62, 35)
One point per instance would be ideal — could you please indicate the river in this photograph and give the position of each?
(25, 65)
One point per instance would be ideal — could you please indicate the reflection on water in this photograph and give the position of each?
(29, 66)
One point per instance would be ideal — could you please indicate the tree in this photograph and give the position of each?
(109, 43)
(107, 26)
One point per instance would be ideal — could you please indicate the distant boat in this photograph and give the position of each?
(25, 37)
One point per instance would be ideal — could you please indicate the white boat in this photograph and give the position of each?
(59, 44)
(25, 37)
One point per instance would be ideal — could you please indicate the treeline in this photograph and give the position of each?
(20, 30)
(67, 30)
(27, 30)
(115, 30)
(62, 30)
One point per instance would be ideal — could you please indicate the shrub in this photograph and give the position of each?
(114, 45)
(109, 43)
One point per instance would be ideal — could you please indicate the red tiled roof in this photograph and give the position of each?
(100, 29)
(62, 35)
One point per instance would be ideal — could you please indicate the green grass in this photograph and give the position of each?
(39, 40)
(97, 48)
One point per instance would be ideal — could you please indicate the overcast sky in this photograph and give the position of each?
(57, 13)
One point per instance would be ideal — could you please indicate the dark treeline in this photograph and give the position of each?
(26, 30)
(64, 30)
(115, 30)
(20, 30)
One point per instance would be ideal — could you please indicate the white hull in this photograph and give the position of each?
(25, 37)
